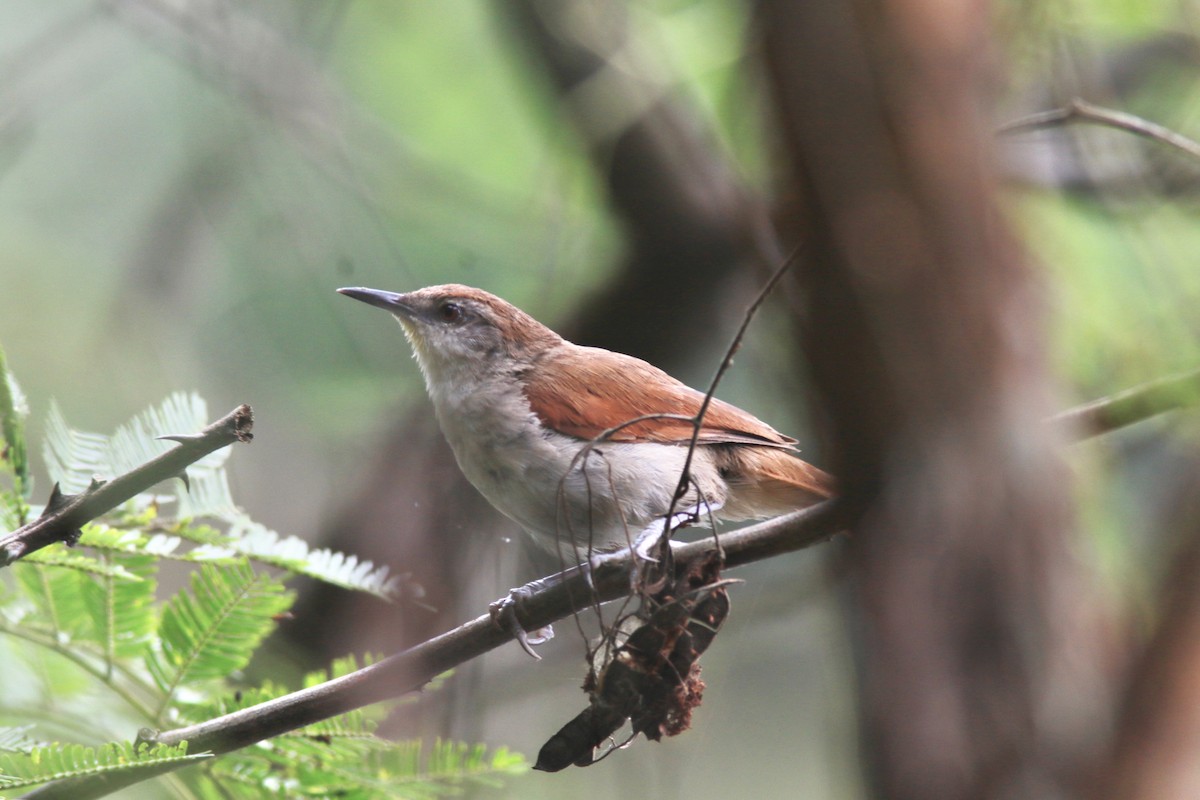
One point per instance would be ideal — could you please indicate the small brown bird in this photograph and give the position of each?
(538, 426)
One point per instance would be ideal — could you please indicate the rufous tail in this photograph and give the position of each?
(768, 481)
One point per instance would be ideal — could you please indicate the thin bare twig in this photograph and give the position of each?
(66, 514)
(551, 601)
(685, 475)
(1130, 406)
(1079, 110)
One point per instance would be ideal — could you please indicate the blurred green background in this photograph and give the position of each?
(184, 184)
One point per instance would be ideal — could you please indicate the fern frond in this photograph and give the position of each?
(259, 543)
(73, 457)
(266, 546)
(60, 761)
(208, 494)
(136, 442)
(368, 768)
(123, 613)
(212, 630)
(15, 739)
(98, 536)
(454, 761)
(448, 764)
(107, 600)
(241, 781)
(13, 410)
(339, 667)
(56, 597)
(59, 556)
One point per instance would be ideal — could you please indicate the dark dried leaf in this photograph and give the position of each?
(653, 679)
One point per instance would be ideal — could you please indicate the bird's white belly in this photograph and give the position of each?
(562, 489)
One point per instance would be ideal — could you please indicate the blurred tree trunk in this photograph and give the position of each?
(923, 330)
(1154, 755)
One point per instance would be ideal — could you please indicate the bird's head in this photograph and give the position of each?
(453, 328)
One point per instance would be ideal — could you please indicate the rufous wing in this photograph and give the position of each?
(585, 391)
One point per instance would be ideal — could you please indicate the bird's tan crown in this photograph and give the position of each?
(516, 327)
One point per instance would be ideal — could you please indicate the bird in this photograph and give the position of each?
(584, 446)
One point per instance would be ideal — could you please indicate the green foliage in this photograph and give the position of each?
(341, 756)
(93, 649)
(20, 769)
(13, 457)
(213, 630)
(299, 766)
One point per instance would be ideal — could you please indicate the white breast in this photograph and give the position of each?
(557, 487)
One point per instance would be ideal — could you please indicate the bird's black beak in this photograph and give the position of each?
(388, 301)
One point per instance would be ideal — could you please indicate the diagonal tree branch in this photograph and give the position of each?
(66, 514)
(555, 599)
(552, 600)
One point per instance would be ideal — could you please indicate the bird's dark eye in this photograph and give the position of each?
(450, 311)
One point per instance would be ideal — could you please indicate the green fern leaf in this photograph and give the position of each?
(107, 600)
(123, 613)
(15, 739)
(447, 764)
(13, 410)
(366, 768)
(57, 556)
(340, 667)
(208, 494)
(98, 536)
(56, 597)
(259, 543)
(213, 630)
(57, 762)
(136, 442)
(266, 546)
(73, 457)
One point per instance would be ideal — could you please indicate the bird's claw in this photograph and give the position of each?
(504, 615)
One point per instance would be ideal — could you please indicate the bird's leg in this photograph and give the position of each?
(504, 611)
(654, 533)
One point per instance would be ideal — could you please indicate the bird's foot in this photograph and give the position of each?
(504, 615)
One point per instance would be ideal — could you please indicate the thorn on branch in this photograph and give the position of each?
(182, 438)
(65, 514)
(57, 502)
